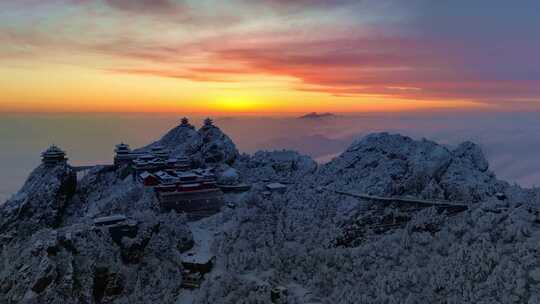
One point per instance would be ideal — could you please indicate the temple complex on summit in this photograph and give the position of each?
(177, 182)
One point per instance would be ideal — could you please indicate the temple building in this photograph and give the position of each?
(53, 156)
(148, 179)
(148, 162)
(208, 122)
(159, 152)
(166, 178)
(123, 155)
(195, 199)
(194, 192)
(157, 158)
(181, 163)
(184, 122)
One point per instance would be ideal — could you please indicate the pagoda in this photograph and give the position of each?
(122, 154)
(208, 122)
(53, 156)
(184, 122)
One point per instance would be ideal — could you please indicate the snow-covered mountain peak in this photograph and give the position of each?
(207, 145)
(392, 164)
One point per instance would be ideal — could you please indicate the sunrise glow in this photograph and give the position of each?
(205, 56)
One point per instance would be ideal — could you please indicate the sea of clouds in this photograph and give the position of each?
(511, 141)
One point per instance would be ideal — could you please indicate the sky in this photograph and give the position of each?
(269, 56)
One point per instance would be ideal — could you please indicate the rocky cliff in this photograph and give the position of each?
(52, 253)
(41, 201)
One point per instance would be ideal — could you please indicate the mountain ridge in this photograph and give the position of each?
(315, 115)
(57, 254)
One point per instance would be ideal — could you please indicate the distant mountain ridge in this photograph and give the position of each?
(313, 145)
(315, 115)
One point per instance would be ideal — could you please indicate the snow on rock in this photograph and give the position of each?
(52, 253)
(387, 165)
(208, 145)
(183, 140)
(478, 256)
(474, 154)
(216, 147)
(535, 274)
(105, 192)
(275, 165)
(40, 202)
(82, 264)
(229, 176)
(485, 255)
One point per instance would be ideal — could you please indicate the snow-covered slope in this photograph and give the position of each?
(216, 146)
(82, 264)
(385, 164)
(487, 254)
(40, 202)
(51, 252)
(284, 165)
(182, 140)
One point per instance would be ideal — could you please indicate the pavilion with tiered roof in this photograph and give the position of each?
(53, 156)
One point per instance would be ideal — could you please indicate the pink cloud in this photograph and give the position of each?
(340, 66)
(165, 7)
